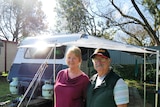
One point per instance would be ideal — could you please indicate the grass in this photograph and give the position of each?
(4, 87)
(150, 91)
(6, 95)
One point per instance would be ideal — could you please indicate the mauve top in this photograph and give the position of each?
(70, 92)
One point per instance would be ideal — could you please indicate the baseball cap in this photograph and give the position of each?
(101, 52)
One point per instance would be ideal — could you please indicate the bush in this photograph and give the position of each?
(127, 71)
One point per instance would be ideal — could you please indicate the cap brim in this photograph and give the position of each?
(99, 54)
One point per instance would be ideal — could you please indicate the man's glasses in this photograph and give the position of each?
(99, 59)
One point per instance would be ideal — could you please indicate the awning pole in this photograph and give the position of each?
(157, 75)
(54, 65)
(144, 103)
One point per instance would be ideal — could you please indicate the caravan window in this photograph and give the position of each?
(35, 53)
(86, 53)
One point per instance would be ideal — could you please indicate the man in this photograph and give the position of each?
(106, 88)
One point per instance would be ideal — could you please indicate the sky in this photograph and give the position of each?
(105, 6)
(48, 8)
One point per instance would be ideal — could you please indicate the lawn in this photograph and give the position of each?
(150, 91)
(4, 87)
(6, 95)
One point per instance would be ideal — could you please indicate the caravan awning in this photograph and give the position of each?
(96, 42)
(83, 40)
(1, 43)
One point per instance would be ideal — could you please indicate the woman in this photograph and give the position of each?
(71, 83)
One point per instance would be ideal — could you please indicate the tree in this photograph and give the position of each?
(21, 18)
(73, 17)
(138, 36)
(136, 18)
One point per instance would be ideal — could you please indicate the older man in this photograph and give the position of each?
(106, 88)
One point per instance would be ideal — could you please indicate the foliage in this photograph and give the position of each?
(150, 75)
(140, 37)
(20, 18)
(100, 18)
(127, 71)
(74, 16)
(135, 16)
(73, 12)
(4, 74)
(153, 7)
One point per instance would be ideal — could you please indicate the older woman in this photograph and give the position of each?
(71, 83)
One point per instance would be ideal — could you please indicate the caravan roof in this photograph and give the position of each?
(83, 40)
(50, 40)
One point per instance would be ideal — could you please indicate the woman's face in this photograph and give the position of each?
(72, 60)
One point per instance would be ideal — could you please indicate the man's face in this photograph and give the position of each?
(101, 64)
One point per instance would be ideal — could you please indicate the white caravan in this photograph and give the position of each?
(39, 59)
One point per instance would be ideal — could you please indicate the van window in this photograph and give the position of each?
(35, 53)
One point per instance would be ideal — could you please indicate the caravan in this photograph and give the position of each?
(37, 62)
(40, 58)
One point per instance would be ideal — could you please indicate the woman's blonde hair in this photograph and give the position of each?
(76, 51)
